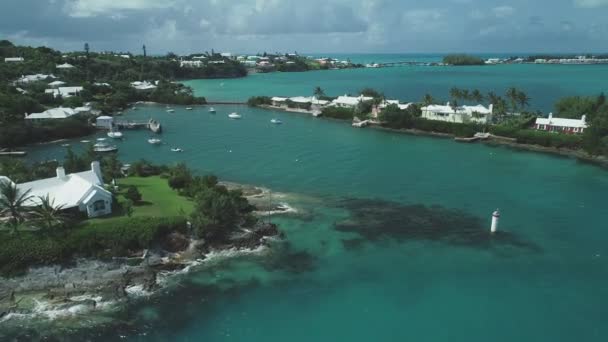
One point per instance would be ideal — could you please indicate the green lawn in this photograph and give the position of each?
(157, 199)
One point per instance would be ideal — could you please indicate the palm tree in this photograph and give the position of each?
(12, 204)
(47, 215)
(477, 96)
(512, 95)
(523, 99)
(318, 92)
(465, 95)
(455, 95)
(428, 100)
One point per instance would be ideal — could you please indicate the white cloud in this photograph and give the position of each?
(92, 8)
(590, 3)
(503, 11)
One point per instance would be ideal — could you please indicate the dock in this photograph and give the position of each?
(13, 153)
(151, 124)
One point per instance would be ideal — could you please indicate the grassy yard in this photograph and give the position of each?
(157, 199)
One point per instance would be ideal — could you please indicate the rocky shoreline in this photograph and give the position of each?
(95, 287)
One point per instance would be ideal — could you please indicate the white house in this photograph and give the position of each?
(82, 191)
(14, 60)
(104, 122)
(57, 113)
(143, 86)
(65, 66)
(64, 91)
(349, 101)
(570, 126)
(462, 114)
(191, 64)
(56, 84)
(34, 78)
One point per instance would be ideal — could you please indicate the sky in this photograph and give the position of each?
(313, 26)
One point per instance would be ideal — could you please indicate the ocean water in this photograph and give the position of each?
(545, 84)
(391, 238)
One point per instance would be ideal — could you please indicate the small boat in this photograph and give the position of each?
(211, 110)
(85, 141)
(155, 126)
(104, 148)
(317, 113)
(154, 141)
(276, 121)
(65, 145)
(234, 116)
(115, 135)
(101, 139)
(177, 149)
(170, 110)
(188, 108)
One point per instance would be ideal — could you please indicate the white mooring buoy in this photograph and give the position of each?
(495, 217)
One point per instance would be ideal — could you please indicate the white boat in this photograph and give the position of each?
(65, 145)
(211, 110)
(317, 113)
(154, 141)
(188, 108)
(276, 121)
(177, 149)
(234, 116)
(101, 139)
(170, 110)
(85, 141)
(115, 134)
(103, 148)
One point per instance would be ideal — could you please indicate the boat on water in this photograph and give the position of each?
(155, 126)
(65, 145)
(85, 141)
(115, 135)
(170, 110)
(211, 110)
(188, 108)
(177, 149)
(276, 121)
(234, 115)
(104, 148)
(101, 139)
(317, 113)
(154, 141)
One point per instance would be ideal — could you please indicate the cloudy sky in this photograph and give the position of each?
(184, 26)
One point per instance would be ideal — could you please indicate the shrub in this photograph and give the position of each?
(259, 101)
(133, 194)
(461, 59)
(338, 113)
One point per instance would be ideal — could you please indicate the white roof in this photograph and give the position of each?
(65, 66)
(55, 113)
(105, 118)
(14, 59)
(57, 83)
(304, 99)
(459, 110)
(145, 85)
(68, 191)
(279, 99)
(34, 78)
(560, 122)
(64, 91)
(102, 84)
(351, 101)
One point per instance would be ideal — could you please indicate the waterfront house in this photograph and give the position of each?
(191, 64)
(350, 101)
(64, 91)
(569, 126)
(82, 191)
(57, 113)
(14, 60)
(461, 114)
(104, 122)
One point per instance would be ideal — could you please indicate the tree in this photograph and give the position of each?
(369, 92)
(428, 99)
(455, 95)
(47, 215)
(127, 207)
(477, 96)
(13, 204)
(319, 92)
(512, 95)
(145, 52)
(523, 100)
(180, 177)
(133, 194)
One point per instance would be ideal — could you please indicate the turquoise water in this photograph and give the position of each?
(545, 84)
(544, 278)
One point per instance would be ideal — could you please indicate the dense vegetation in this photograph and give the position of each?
(259, 101)
(462, 59)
